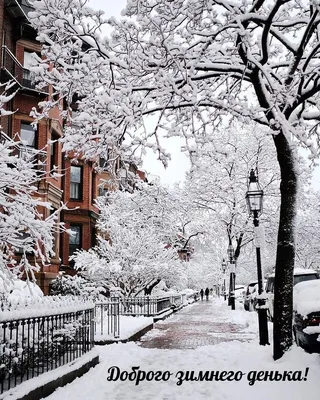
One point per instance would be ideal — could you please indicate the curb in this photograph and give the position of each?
(48, 388)
(136, 336)
(132, 338)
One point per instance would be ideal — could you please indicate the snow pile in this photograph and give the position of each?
(246, 356)
(188, 291)
(128, 326)
(306, 297)
(18, 290)
(27, 307)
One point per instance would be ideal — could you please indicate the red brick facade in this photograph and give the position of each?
(55, 190)
(18, 38)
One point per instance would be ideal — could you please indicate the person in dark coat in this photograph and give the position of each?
(201, 294)
(206, 292)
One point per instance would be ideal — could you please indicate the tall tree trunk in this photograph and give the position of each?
(282, 326)
(148, 289)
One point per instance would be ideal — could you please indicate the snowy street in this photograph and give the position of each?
(206, 336)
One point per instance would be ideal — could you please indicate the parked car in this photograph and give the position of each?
(239, 292)
(252, 299)
(306, 315)
(299, 275)
(247, 297)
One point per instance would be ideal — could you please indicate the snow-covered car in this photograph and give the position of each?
(239, 292)
(247, 296)
(299, 275)
(251, 300)
(306, 315)
(254, 298)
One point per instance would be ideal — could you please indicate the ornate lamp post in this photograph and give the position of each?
(224, 267)
(232, 269)
(254, 199)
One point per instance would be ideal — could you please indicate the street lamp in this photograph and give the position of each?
(224, 267)
(254, 199)
(232, 269)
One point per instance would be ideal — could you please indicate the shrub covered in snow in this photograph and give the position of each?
(17, 290)
(28, 307)
(76, 286)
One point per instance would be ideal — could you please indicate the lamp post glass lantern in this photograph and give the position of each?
(254, 199)
(254, 195)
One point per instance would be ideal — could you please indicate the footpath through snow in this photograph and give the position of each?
(206, 337)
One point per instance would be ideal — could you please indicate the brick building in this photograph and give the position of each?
(79, 184)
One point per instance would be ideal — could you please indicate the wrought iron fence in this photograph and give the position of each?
(108, 314)
(17, 71)
(31, 346)
(145, 305)
(37, 157)
(107, 319)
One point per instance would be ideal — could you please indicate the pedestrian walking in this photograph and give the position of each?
(206, 292)
(201, 294)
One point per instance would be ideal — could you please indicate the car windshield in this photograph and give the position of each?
(251, 287)
(303, 278)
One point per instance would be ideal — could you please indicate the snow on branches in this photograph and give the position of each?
(136, 244)
(182, 61)
(24, 231)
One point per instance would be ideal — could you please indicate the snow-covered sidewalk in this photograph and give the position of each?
(129, 326)
(242, 356)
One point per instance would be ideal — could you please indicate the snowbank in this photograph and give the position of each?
(306, 297)
(128, 327)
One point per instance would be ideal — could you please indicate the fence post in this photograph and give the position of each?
(115, 311)
(148, 306)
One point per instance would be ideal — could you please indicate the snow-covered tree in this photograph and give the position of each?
(26, 236)
(190, 64)
(132, 252)
(66, 285)
(204, 268)
(217, 184)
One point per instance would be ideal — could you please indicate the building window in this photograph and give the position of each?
(75, 242)
(53, 152)
(28, 136)
(75, 182)
(28, 61)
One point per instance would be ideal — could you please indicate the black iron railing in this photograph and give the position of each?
(107, 319)
(31, 346)
(108, 314)
(146, 305)
(17, 72)
(37, 157)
